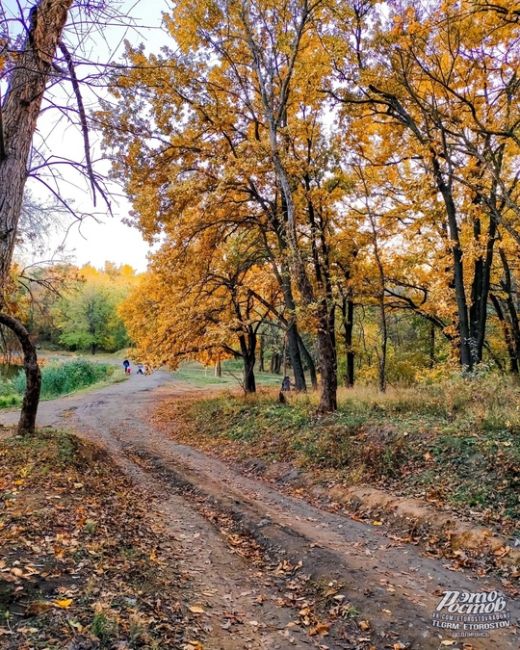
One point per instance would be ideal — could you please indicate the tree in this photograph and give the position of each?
(364, 160)
(230, 146)
(427, 73)
(32, 57)
(18, 117)
(19, 114)
(86, 314)
(201, 302)
(86, 322)
(279, 47)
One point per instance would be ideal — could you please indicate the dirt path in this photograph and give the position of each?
(246, 604)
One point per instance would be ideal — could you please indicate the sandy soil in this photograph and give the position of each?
(392, 585)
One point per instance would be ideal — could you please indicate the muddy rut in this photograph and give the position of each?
(304, 555)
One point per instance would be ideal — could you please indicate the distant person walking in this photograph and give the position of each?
(140, 369)
(126, 366)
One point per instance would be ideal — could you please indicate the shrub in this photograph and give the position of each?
(6, 387)
(9, 400)
(67, 377)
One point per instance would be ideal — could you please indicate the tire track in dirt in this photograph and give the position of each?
(393, 585)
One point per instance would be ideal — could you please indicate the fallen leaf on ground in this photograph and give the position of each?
(62, 603)
(320, 628)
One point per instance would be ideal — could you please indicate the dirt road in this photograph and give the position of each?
(241, 543)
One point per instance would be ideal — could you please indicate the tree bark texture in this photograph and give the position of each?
(20, 111)
(31, 398)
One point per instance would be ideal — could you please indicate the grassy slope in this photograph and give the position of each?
(200, 375)
(79, 554)
(456, 443)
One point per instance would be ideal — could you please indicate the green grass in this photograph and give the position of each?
(457, 442)
(59, 379)
(199, 375)
(8, 395)
(11, 399)
(104, 628)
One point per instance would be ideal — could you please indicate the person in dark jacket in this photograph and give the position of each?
(286, 384)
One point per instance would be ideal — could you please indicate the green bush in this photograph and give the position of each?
(67, 377)
(9, 400)
(6, 387)
(8, 393)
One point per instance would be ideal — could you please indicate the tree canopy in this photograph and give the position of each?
(308, 160)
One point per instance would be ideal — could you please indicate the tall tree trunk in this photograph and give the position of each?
(292, 327)
(326, 310)
(276, 363)
(283, 275)
(284, 357)
(249, 375)
(480, 290)
(20, 112)
(347, 311)
(507, 286)
(218, 368)
(309, 362)
(31, 398)
(326, 346)
(293, 348)
(248, 353)
(432, 345)
(328, 363)
(261, 365)
(511, 348)
(384, 346)
(326, 338)
(381, 301)
(465, 346)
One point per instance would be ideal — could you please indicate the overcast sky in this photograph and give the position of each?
(104, 238)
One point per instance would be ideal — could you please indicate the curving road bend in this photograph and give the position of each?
(392, 585)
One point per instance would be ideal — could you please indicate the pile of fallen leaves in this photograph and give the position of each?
(80, 559)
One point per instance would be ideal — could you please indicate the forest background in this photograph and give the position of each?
(331, 187)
